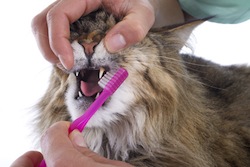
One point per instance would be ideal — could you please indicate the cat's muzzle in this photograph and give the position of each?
(87, 82)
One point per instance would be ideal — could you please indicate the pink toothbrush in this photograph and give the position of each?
(110, 83)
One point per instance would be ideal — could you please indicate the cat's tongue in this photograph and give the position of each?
(91, 87)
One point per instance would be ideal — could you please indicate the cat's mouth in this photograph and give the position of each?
(87, 82)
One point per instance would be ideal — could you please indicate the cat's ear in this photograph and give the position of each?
(178, 35)
(184, 31)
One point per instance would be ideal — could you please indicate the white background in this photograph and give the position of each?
(24, 73)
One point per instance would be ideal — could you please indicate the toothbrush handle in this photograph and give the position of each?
(42, 164)
(80, 122)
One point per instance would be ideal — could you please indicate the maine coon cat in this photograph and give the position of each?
(173, 110)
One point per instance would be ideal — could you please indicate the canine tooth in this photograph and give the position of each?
(77, 73)
(97, 95)
(101, 72)
(80, 94)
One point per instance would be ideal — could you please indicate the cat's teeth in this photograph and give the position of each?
(77, 73)
(79, 94)
(97, 95)
(102, 70)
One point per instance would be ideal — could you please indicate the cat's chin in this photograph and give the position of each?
(104, 116)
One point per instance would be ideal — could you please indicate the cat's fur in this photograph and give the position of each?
(173, 110)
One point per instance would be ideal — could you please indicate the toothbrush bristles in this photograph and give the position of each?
(112, 81)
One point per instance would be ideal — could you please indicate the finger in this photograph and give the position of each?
(133, 28)
(78, 141)
(52, 142)
(29, 159)
(77, 138)
(57, 131)
(59, 19)
(58, 149)
(80, 145)
(40, 31)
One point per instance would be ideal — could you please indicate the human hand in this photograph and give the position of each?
(51, 26)
(60, 149)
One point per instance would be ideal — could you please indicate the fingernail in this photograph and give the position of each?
(77, 138)
(59, 65)
(63, 62)
(116, 43)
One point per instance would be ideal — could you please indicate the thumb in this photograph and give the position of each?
(77, 138)
(132, 29)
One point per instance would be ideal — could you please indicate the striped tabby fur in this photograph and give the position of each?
(173, 110)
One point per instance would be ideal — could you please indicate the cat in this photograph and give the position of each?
(173, 109)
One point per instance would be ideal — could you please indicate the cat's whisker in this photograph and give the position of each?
(181, 61)
(178, 63)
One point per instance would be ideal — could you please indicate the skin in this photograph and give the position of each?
(51, 26)
(29, 159)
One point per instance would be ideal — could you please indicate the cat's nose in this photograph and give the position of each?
(89, 48)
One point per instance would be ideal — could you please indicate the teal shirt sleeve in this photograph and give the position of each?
(224, 11)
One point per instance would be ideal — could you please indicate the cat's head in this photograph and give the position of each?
(152, 66)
